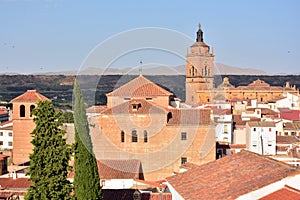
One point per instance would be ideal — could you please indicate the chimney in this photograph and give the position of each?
(14, 176)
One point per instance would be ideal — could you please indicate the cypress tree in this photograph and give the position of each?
(86, 179)
(49, 162)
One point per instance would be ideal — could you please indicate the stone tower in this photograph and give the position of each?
(199, 70)
(23, 124)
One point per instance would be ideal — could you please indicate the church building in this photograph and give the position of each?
(200, 88)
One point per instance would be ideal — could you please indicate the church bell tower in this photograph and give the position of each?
(199, 71)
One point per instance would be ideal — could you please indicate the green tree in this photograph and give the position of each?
(86, 179)
(49, 162)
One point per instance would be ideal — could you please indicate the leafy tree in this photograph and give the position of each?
(49, 162)
(86, 179)
(67, 117)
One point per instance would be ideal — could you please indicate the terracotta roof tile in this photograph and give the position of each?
(286, 139)
(140, 87)
(143, 107)
(189, 116)
(293, 115)
(120, 169)
(261, 124)
(30, 96)
(95, 109)
(264, 111)
(19, 183)
(230, 176)
(286, 193)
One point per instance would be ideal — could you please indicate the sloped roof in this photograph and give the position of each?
(19, 183)
(120, 169)
(264, 111)
(189, 116)
(286, 139)
(144, 107)
(230, 176)
(140, 87)
(30, 96)
(293, 115)
(286, 193)
(261, 124)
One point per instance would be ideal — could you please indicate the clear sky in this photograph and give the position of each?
(57, 35)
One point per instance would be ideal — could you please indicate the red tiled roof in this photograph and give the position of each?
(95, 109)
(144, 107)
(237, 119)
(261, 124)
(2, 157)
(140, 87)
(286, 139)
(19, 183)
(293, 115)
(120, 169)
(230, 176)
(264, 111)
(189, 116)
(220, 111)
(7, 122)
(30, 96)
(286, 193)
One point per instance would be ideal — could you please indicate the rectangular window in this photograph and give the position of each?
(10, 134)
(254, 129)
(270, 129)
(1, 133)
(1, 142)
(134, 137)
(149, 99)
(10, 143)
(126, 99)
(145, 136)
(183, 160)
(122, 136)
(183, 136)
(225, 128)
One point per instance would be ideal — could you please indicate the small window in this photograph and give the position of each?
(226, 139)
(149, 99)
(145, 136)
(134, 137)
(270, 129)
(1, 142)
(122, 136)
(208, 100)
(10, 143)
(269, 144)
(126, 99)
(22, 111)
(286, 133)
(254, 129)
(10, 134)
(183, 160)
(183, 136)
(31, 109)
(293, 133)
(1, 133)
(254, 145)
(225, 128)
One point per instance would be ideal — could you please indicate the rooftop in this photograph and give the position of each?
(230, 176)
(30, 96)
(140, 87)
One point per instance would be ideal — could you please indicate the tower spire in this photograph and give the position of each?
(140, 70)
(199, 34)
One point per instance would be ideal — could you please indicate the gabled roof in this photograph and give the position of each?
(286, 139)
(120, 169)
(140, 87)
(230, 176)
(293, 115)
(144, 107)
(30, 96)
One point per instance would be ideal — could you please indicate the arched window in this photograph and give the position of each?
(22, 111)
(122, 136)
(145, 136)
(31, 109)
(134, 137)
(205, 70)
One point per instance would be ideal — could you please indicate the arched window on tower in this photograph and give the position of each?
(22, 111)
(193, 71)
(134, 137)
(31, 109)
(205, 70)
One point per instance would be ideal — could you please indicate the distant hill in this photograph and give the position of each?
(220, 69)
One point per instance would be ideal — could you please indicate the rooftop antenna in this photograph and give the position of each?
(140, 70)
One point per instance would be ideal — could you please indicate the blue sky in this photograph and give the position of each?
(57, 35)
